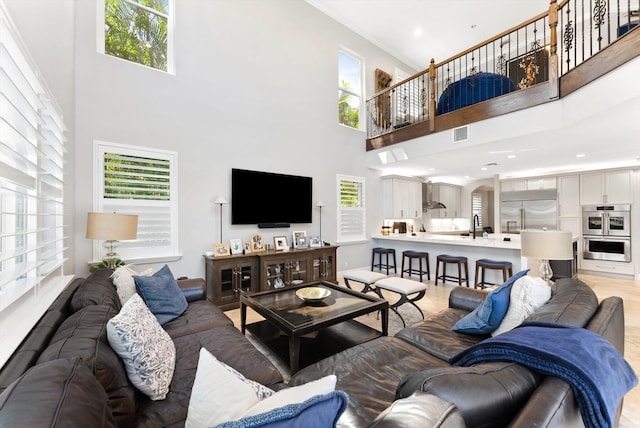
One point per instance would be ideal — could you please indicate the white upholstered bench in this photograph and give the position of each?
(403, 287)
(365, 277)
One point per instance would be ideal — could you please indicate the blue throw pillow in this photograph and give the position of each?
(319, 411)
(161, 294)
(489, 314)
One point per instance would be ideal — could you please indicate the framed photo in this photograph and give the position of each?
(315, 242)
(247, 247)
(257, 243)
(301, 242)
(298, 234)
(236, 246)
(220, 250)
(280, 243)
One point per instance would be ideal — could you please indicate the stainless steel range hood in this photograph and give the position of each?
(427, 199)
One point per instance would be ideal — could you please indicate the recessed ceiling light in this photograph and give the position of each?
(466, 176)
(511, 156)
(484, 168)
(580, 155)
(417, 32)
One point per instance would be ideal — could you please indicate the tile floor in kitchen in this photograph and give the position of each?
(437, 299)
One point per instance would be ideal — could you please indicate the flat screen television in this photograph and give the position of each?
(269, 199)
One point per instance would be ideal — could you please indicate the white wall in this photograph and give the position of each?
(255, 88)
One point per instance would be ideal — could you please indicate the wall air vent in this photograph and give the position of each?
(461, 134)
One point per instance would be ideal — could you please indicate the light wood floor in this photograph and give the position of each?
(438, 298)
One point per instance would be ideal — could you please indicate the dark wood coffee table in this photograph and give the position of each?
(327, 326)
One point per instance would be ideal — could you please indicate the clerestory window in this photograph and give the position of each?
(349, 89)
(139, 31)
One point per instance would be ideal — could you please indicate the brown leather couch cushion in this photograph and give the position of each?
(420, 410)
(369, 373)
(572, 303)
(83, 335)
(488, 394)
(434, 335)
(61, 393)
(228, 345)
(28, 353)
(199, 316)
(97, 289)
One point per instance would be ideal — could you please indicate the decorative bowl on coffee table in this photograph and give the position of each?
(313, 294)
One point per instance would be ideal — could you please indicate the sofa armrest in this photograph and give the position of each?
(466, 298)
(420, 410)
(193, 289)
(487, 394)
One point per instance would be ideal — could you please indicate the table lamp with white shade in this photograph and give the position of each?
(111, 228)
(546, 245)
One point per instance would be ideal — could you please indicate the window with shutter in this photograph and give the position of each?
(141, 181)
(351, 209)
(32, 145)
(476, 200)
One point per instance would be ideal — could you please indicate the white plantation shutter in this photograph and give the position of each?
(135, 180)
(351, 209)
(31, 172)
(476, 199)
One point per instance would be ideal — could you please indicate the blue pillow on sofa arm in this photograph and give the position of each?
(489, 314)
(161, 294)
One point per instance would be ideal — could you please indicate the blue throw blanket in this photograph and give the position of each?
(597, 372)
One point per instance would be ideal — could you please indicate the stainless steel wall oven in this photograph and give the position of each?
(607, 232)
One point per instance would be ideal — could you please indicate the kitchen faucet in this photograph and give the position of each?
(476, 221)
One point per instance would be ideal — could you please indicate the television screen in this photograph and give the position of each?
(269, 199)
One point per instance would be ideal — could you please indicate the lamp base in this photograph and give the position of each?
(111, 257)
(545, 271)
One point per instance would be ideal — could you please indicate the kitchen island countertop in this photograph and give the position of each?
(494, 240)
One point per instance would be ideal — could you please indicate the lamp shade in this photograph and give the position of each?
(112, 227)
(546, 244)
(220, 200)
(320, 204)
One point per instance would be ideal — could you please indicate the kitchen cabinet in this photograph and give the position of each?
(541, 183)
(569, 196)
(450, 196)
(528, 184)
(402, 197)
(612, 187)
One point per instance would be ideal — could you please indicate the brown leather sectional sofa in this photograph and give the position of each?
(65, 373)
(495, 394)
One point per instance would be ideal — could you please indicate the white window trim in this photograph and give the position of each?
(171, 68)
(98, 196)
(361, 108)
(363, 236)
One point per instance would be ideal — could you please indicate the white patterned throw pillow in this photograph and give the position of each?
(125, 284)
(147, 351)
(528, 294)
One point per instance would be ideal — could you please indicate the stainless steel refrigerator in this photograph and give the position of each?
(530, 209)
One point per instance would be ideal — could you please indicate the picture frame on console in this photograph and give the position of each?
(257, 243)
(315, 242)
(236, 246)
(280, 243)
(297, 234)
(220, 250)
(302, 242)
(247, 247)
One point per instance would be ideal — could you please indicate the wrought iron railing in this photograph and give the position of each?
(537, 51)
(588, 26)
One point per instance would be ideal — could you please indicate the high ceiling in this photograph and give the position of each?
(605, 130)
